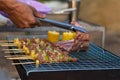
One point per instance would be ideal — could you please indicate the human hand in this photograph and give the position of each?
(23, 15)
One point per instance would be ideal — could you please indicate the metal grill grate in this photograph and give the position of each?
(95, 58)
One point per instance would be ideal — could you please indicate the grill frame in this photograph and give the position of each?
(102, 71)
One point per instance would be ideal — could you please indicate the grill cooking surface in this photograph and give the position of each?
(95, 58)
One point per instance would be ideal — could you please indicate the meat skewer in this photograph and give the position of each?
(43, 51)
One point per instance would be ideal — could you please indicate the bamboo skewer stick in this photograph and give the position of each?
(6, 41)
(36, 63)
(23, 63)
(13, 50)
(19, 58)
(7, 45)
(12, 56)
(8, 52)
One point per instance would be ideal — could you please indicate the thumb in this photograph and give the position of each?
(38, 14)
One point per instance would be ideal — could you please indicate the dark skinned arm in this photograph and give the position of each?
(21, 14)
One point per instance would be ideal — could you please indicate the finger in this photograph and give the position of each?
(18, 23)
(32, 25)
(38, 14)
(36, 23)
(25, 25)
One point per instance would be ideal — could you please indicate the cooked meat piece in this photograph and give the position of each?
(66, 45)
(80, 42)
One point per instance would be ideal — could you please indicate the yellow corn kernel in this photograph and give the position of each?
(26, 50)
(37, 63)
(68, 36)
(16, 41)
(53, 36)
(33, 54)
(19, 45)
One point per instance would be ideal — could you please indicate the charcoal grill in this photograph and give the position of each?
(95, 64)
